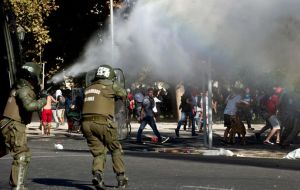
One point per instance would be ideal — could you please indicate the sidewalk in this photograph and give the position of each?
(185, 144)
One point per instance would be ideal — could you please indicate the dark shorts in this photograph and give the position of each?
(227, 122)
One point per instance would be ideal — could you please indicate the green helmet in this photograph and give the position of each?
(32, 72)
(105, 72)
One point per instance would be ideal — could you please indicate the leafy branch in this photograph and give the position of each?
(31, 15)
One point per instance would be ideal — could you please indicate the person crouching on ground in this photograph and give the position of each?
(230, 111)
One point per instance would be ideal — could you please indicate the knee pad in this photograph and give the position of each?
(22, 158)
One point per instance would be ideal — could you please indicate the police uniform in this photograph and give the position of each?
(100, 130)
(17, 114)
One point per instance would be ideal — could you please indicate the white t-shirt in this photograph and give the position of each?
(58, 93)
(156, 100)
(231, 108)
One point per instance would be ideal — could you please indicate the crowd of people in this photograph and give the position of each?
(60, 105)
(95, 112)
(277, 107)
(238, 103)
(145, 106)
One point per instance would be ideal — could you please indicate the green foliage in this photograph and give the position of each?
(31, 15)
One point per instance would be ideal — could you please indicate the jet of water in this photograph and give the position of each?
(176, 39)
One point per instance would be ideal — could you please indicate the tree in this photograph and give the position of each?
(31, 15)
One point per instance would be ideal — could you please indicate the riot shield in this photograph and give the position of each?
(90, 76)
(121, 111)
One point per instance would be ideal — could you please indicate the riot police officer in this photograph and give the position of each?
(18, 112)
(98, 126)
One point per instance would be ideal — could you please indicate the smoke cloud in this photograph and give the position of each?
(177, 39)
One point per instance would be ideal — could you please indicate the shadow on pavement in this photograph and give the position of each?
(198, 142)
(63, 183)
(256, 162)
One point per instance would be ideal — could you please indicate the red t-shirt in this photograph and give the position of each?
(272, 104)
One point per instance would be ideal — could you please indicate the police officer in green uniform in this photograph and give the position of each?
(98, 126)
(17, 114)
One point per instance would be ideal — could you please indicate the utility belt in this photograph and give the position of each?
(105, 120)
(94, 118)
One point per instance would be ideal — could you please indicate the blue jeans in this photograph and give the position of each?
(183, 119)
(148, 120)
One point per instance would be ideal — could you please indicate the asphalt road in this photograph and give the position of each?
(70, 169)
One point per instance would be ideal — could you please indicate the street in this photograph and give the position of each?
(52, 169)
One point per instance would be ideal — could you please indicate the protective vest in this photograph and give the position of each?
(15, 109)
(12, 109)
(99, 100)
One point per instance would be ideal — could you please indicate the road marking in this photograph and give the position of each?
(203, 187)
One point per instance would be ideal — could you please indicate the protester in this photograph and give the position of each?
(61, 109)
(130, 104)
(272, 108)
(138, 100)
(54, 110)
(289, 116)
(205, 97)
(230, 111)
(147, 117)
(186, 106)
(245, 108)
(47, 115)
(73, 109)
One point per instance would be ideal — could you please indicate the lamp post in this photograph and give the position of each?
(207, 107)
(209, 103)
(21, 36)
(112, 29)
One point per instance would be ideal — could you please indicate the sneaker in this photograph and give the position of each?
(165, 139)
(122, 181)
(98, 181)
(177, 132)
(268, 143)
(194, 134)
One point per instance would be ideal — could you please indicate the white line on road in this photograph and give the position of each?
(203, 187)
